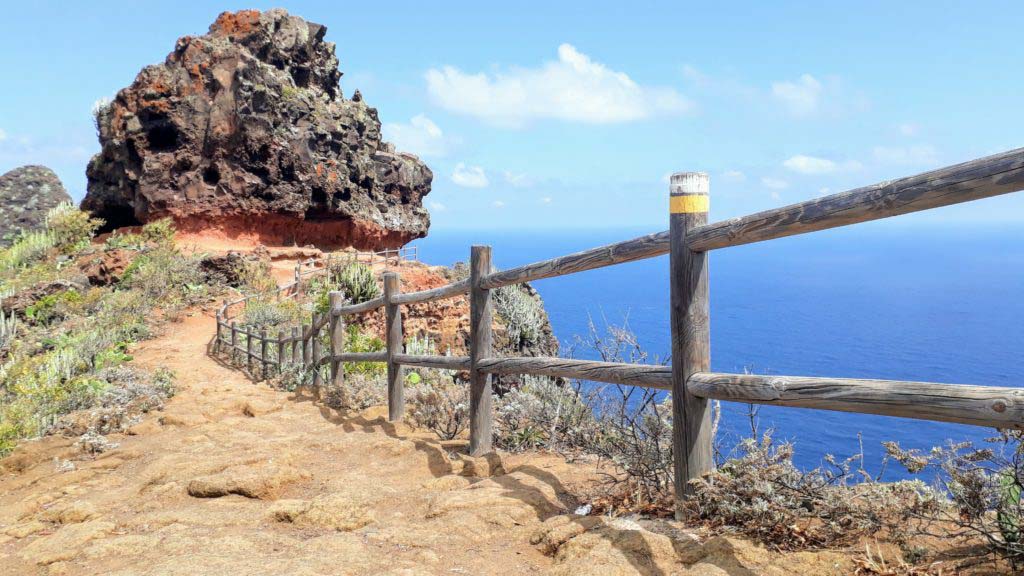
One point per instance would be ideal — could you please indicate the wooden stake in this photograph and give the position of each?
(234, 341)
(248, 349)
(264, 354)
(480, 313)
(295, 344)
(305, 345)
(280, 351)
(336, 299)
(691, 418)
(317, 378)
(393, 323)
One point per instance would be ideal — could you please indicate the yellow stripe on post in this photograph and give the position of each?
(688, 204)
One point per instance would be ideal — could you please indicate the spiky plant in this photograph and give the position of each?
(358, 283)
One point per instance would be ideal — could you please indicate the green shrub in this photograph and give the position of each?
(29, 247)
(52, 306)
(166, 276)
(522, 313)
(159, 232)
(262, 313)
(129, 240)
(72, 228)
(440, 405)
(358, 283)
(358, 341)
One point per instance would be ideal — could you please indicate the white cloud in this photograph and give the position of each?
(573, 88)
(809, 165)
(518, 180)
(907, 129)
(420, 136)
(804, 164)
(733, 176)
(774, 183)
(802, 97)
(438, 207)
(3, 135)
(906, 155)
(498, 204)
(470, 176)
(545, 200)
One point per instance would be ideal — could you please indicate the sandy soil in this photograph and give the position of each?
(233, 477)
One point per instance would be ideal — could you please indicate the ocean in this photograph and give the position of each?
(939, 303)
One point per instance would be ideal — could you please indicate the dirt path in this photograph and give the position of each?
(233, 477)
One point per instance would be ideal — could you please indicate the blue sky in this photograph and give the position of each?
(559, 114)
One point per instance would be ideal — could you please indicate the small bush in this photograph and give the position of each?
(29, 247)
(263, 313)
(357, 282)
(543, 412)
(159, 232)
(121, 240)
(762, 494)
(523, 315)
(52, 306)
(255, 277)
(358, 391)
(983, 487)
(166, 276)
(439, 405)
(358, 341)
(71, 228)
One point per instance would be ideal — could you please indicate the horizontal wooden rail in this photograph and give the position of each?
(981, 178)
(356, 357)
(646, 375)
(618, 253)
(359, 308)
(439, 362)
(446, 291)
(978, 405)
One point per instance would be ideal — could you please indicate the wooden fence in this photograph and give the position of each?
(688, 242)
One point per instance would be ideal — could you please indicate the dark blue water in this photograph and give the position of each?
(933, 303)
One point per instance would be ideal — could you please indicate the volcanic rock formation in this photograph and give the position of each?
(245, 130)
(26, 195)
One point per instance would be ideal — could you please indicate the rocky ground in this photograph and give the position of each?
(234, 477)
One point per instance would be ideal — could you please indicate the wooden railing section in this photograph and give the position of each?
(688, 241)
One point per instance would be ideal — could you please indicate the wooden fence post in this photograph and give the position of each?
(234, 341)
(298, 278)
(315, 337)
(280, 351)
(248, 349)
(393, 324)
(221, 317)
(335, 300)
(691, 344)
(305, 345)
(480, 312)
(295, 344)
(264, 354)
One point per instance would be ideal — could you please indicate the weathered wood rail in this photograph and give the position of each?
(688, 241)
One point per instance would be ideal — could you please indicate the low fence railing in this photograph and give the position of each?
(688, 241)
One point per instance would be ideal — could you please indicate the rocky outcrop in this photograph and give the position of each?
(245, 130)
(26, 194)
